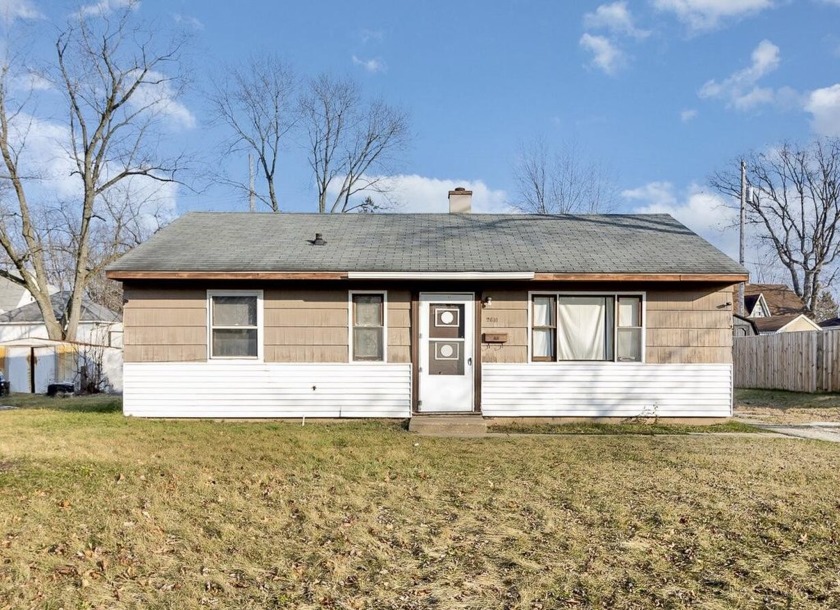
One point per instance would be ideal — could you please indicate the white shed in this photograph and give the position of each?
(31, 365)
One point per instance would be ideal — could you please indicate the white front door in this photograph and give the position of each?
(446, 379)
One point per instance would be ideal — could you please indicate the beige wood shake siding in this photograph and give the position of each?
(507, 313)
(170, 325)
(399, 326)
(305, 326)
(165, 325)
(690, 325)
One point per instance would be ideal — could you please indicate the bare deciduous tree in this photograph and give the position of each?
(256, 102)
(796, 211)
(564, 182)
(350, 141)
(125, 217)
(116, 84)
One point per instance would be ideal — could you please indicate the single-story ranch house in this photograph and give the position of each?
(392, 315)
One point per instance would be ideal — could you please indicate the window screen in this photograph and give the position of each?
(234, 330)
(368, 327)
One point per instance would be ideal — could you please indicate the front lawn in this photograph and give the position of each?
(779, 407)
(102, 511)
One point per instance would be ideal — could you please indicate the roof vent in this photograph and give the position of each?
(319, 240)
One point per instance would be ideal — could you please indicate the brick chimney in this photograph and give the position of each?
(460, 201)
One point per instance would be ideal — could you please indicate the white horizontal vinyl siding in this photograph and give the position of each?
(606, 389)
(239, 389)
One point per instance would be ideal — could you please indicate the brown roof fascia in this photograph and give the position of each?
(731, 278)
(223, 275)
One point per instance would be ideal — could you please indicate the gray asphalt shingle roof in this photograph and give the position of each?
(31, 313)
(211, 241)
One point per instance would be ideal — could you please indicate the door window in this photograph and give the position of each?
(446, 339)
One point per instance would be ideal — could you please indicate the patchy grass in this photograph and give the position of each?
(651, 428)
(91, 403)
(778, 407)
(98, 510)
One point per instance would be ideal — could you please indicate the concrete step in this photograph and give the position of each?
(448, 425)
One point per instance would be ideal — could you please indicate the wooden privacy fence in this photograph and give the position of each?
(798, 362)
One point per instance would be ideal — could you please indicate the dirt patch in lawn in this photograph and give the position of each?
(649, 428)
(776, 407)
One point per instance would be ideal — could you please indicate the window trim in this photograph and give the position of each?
(532, 328)
(260, 325)
(617, 326)
(595, 293)
(350, 326)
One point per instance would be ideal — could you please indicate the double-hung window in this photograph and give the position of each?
(544, 331)
(367, 319)
(588, 327)
(235, 322)
(628, 339)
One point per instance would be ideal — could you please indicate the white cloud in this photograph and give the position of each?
(18, 9)
(704, 213)
(31, 81)
(159, 96)
(824, 107)
(710, 14)
(605, 55)
(44, 155)
(413, 193)
(154, 202)
(192, 22)
(371, 36)
(103, 7)
(741, 89)
(372, 65)
(615, 17)
(689, 114)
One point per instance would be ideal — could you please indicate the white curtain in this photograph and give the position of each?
(584, 324)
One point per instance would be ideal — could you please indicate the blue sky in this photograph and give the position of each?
(662, 92)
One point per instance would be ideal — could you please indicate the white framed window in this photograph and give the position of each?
(606, 327)
(629, 336)
(368, 326)
(543, 327)
(235, 324)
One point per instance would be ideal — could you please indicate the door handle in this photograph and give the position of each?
(469, 361)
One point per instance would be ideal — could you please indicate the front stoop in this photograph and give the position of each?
(448, 425)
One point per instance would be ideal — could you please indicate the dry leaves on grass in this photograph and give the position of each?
(362, 515)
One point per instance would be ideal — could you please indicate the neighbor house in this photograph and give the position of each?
(394, 315)
(31, 361)
(98, 325)
(13, 294)
(742, 326)
(831, 324)
(775, 308)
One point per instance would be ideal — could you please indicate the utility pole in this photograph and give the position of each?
(251, 192)
(741, 239)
